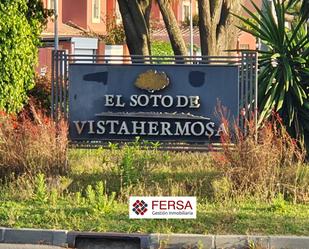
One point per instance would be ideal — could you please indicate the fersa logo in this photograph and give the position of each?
(171, 205)
(140, 207)
(162, 207)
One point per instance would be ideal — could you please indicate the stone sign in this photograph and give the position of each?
(154, 102)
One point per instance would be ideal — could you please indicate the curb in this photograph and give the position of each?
(64, 238)
(181, 241)
(34, 236)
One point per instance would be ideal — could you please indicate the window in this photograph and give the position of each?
(186, 12)
(51, 4)
(118, 14)
(244, 46)
(96, 11)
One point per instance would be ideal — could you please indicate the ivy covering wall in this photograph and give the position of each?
(21, 23)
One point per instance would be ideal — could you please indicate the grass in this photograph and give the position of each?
(157, 173)
(261, 186)
(212, 218)
(68, 202)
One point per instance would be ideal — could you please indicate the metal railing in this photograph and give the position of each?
(247, 62)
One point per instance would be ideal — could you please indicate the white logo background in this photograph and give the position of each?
(163, 207)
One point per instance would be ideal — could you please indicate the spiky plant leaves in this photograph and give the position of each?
(284, 67)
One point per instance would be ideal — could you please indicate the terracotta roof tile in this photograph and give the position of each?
(64, 30)
(162, 35)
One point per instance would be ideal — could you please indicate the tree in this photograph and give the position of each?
(135, 17)
(21, 23)
(284, 67)
(172, 27)
(217, 25)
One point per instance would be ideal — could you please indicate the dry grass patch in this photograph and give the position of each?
(264, 163)
(32, 143)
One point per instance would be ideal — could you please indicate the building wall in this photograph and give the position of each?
(249, 5)
(156, 15)
(246, 40)
(50, 23)
(45, 57)
(75, 11)
(80, 13)
(177, 7)
(101, 26)
(110, 8)
(155, 12)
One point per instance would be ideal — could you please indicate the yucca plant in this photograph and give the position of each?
(284, 65)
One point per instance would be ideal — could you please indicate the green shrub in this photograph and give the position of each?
(90, 195)
(40, 94)
(21, 23)
(98, 201)
(115, 34)
(284, 66)
(136, 162)
(128, 171)
(161, 48)
(53, 197)
(40, 191)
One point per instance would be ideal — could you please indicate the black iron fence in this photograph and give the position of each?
(246, 61)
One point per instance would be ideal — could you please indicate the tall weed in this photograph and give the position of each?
(98, 201)
(265, 162)
(40, 191)
(136, 162)
(32, 143)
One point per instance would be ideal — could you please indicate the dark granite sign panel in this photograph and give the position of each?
(154, 102)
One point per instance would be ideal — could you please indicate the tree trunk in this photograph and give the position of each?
(172, 27)
(135, 17)
(217, 25)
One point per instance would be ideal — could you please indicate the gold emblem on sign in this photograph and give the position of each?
(152, 80)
